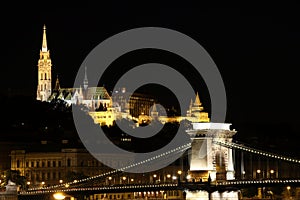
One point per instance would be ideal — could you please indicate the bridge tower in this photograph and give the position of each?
(210, 161)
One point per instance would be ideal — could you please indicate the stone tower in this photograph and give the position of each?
(209, 160)
(44, 89)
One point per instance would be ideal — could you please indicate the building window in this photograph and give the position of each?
(54, 175)
(27, 164)
(48, 175)
(18, 164)
(69, 162)
(45, 87)
(54, 164)
(32, 164)
(43, 164)
(41, 87)
(48, 164)
(41, 76)
(37, 164)
(45, 76)
(59, 163)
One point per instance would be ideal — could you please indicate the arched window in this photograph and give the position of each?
(41, 87)
(45, 87)
(45, 76)
(41, 76)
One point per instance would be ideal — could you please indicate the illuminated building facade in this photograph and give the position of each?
(54, 167)
(103, 108)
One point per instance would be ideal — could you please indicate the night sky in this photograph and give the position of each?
(256, 50)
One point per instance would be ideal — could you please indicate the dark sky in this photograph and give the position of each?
(256, 50)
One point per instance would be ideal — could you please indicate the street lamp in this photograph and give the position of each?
(258, 173)
(179, 172)
(243, 174)
(174, 178)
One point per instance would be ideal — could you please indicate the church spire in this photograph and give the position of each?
(85, 80)
(44, 45)
(57, 85)
(197, 100)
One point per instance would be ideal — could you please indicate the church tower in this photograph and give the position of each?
(44, 71)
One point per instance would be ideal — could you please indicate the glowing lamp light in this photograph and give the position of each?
(59, 196)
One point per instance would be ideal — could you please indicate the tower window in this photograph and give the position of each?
(45, 87)
(41, 87)
(45, 76)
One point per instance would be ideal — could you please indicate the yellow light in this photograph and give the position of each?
(179, 172)
(28, 182)
(109, 178)
(169, 176)
(188, 177)
(154, 175)
(288, 187)
(272, 171)
(59, 196)
(124, 178)
(60, 181)
(132, 180)
(43, 183)
(258, 171)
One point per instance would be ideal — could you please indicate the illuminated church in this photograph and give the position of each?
(99, 102)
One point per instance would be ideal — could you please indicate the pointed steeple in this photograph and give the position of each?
(85, 80)
(154, 109)
(57, 85)
(154, 113)
(197, 100)
(44, 45)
